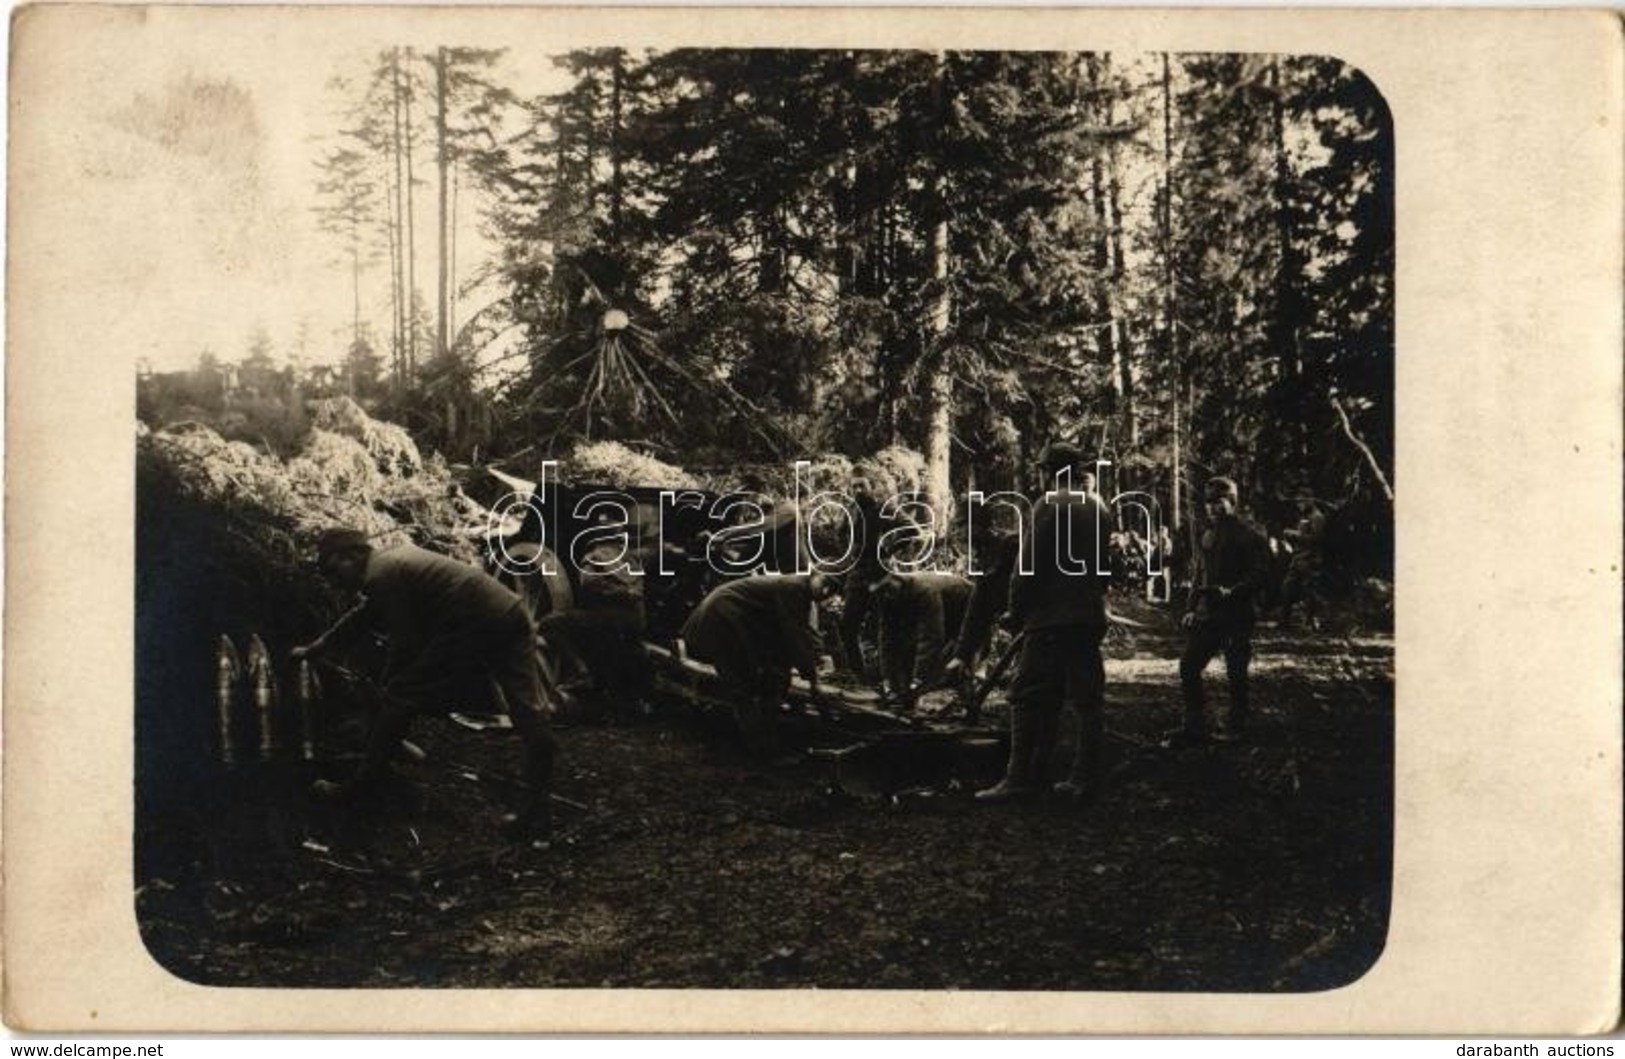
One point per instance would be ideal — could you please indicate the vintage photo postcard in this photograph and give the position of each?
(813, 520)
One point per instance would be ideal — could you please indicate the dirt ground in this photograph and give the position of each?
(1254, 866)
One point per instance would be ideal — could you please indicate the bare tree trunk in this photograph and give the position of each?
(1110, 344)
(411, 232)
(844, 202)
(451, 305)
(1286, 311)
(1365, 450)
(1129, 435)
(397, 332)
(561, 156)
(1192, 522)
(443, 159)
(939, 434)
(397, 234)
(1170, 315)
(617, 76)
(1178, 468)
(355, 294)
(590, 145)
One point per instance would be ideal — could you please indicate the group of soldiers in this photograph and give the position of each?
(455, 631)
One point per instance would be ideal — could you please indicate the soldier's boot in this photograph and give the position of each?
(1235, 722)
(1193, 732)
(1082, 783)
(1018, 780)
(1046, 732)
(534, 820)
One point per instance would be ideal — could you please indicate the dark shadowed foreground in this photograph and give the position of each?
(1255, 867)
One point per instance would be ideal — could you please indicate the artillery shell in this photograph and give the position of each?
(264, 678)
(228, 668)
(309, 690)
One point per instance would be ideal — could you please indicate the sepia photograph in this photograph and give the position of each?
(625, 554)
(818, 521)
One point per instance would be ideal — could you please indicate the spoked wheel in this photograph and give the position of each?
(538, 577)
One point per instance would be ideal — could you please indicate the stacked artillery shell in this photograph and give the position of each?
(309, 691)
(263, 678)
(228, 668)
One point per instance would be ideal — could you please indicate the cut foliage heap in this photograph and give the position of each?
(611, 463)
(351, 470)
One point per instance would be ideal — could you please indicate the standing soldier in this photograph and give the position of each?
(920, 613)
(454, 632)
(755, 631)
(1060, 610)
(1232, 566)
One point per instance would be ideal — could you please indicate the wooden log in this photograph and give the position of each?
(697, 683)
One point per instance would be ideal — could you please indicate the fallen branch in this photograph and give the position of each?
(1376, 469)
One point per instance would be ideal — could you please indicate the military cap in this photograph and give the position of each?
(334, 541)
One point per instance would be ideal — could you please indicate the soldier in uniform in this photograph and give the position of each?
(1060, 610)
(920, 615)
(755, 631)
(454, 633)
(1231, 568)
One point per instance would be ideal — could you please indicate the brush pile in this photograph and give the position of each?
(351, 470)
(611, 463)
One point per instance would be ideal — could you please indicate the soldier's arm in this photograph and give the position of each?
(1256, 574)
(341, 633)
(797, 613)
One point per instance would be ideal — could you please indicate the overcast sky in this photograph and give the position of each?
(182, 191)
(193, 175)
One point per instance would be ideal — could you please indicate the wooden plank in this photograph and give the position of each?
(695, 682)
